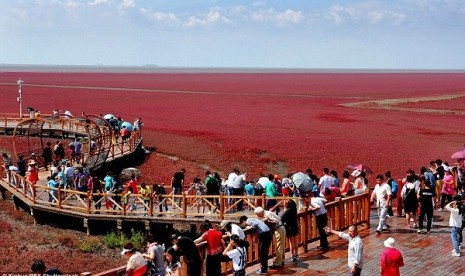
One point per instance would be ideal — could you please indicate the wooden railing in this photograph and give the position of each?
(181, 206)
(341, 214)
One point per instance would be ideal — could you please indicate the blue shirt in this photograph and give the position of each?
(430, 177)
(249, 189)
(52, 184)
(258, 225)
(108, 182)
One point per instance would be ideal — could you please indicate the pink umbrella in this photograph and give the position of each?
(458, 155)
(360, 167)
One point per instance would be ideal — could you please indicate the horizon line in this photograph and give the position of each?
(149, 68)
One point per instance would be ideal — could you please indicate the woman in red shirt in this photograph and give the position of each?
(215, 244)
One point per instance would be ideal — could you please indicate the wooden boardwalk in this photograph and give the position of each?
(424, 254)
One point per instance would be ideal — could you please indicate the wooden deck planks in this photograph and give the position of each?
(424, 254)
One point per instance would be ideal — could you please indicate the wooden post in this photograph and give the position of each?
(263, 200)
(367, 208)
(151, 205)
(88, 202)
(123, 200)
(60, 198)
(221, 206)
(184, 205)
(339, 224)
(306, 226)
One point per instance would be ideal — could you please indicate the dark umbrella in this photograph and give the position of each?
(302, 181)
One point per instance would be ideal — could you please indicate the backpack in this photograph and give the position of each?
(394, 189)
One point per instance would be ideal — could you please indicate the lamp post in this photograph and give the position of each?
(20, 98)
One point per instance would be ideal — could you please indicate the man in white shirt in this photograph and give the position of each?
(229, 182)
(382, 194)
(317, 204)
(355, 251)
(326, 181)
(136, 263)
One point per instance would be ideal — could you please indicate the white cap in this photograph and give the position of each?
(258, 210)
(390, 242)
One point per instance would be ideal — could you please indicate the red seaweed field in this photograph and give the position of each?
(262, 122)
(259, 122)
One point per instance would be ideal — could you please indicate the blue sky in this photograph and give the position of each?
(384, 34)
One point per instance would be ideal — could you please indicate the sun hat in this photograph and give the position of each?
(32, 162)
(390, 242)
(224, 223)
(128, 247)
(258, 210)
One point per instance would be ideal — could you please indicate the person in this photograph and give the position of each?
(47, 154)
(33, 172)
(96, 192)
(382, 194)
(448, 186)
(355, 250)
(264, 240)
(145, 193)
(136, 265)
(274, 223)
(317, 204)
(232, 229)
(237, 252)
(159, 191)
(177, 182)
(391, 259)
(154, 257)
(109, 181)
(138, 124)
(132, 184)
(215, 243)
(186, 247)
(78, 149)
(271, 193)
(291, 224)
(7, 162)
(426, 197)
(238, 190)
(38, 267)
(326, 181)
(53, 192)
(229, 184)
(59, 153)
(69, 172)
(410, 201)
(213, 189)
(21, 163)
(346, 186)
(455, 223)
(337, 179)
(173, 266)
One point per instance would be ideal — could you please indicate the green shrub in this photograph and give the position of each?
(115, 240)
(90, 244)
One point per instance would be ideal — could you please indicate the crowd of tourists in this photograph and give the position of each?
(438, 186)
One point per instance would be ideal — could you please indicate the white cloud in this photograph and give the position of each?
(279, 18)
(369, 13)
(289, 16)
(98, 2)
(212, 17)
(129, 3)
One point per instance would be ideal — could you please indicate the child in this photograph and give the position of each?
(455, 222)
(237, 251)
